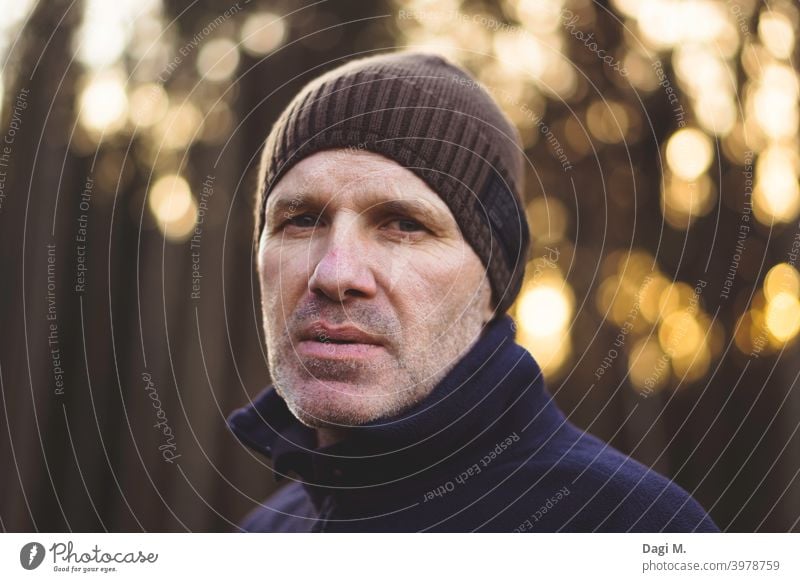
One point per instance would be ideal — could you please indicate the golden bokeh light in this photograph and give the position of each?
(782, 316)
(104, 32)
(171, 203)
(169, 197)
(776, 197)
(545, 310)
(650, 297)
(703, 21)
(700, 69)
(692, 366)
(680, 334)
(776, 32)
(544, 314)
(104, 103)
(179, 127)
(775, 111)
(668, 23)
(473, 36)
(689, 153)
(660, 22)
(539, 15)
(521, 53)
(683, 201)
(148, 104)
(783, 78)
(218, 59)
(608, 121)
(635, 265)
(753, 58)
(782, 278)
(181, 228)
(716, 111)
(674, 297)
(559, 79)
(640, 71)
(262, 33)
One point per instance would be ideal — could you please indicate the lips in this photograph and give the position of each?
(324, 340)
(341, 334)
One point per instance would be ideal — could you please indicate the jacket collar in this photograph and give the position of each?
(468, 403)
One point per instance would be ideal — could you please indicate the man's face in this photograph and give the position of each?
(370, 294)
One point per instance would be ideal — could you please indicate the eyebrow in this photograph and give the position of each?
(288, 205)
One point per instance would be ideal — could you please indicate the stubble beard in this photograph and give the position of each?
(324, 393)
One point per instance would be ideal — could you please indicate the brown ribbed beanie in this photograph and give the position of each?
(431, 117)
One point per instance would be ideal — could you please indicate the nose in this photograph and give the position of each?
(343, 270)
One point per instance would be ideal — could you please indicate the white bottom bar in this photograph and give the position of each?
(424, 557)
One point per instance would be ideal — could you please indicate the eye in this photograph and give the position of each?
(407, 225)
(303, 221)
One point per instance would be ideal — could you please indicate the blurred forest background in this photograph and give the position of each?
(662, 297)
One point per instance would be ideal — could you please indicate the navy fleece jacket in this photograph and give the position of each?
(487, 450)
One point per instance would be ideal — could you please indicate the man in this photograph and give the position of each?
(391, 240)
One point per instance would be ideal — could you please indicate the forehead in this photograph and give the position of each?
(354, 178)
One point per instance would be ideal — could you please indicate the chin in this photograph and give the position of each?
(328, 404)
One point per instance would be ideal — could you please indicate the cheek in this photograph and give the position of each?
(431, 284)
(283, 278)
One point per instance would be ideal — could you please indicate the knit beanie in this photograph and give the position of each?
(434, 119)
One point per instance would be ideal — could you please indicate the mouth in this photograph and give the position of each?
(338, 351)
(322, 340)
